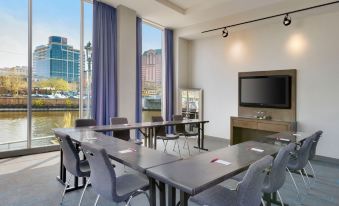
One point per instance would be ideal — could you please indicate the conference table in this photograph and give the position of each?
(96, 132)
(196, 174)
(190, 176)
(148, 130)
(138, 157)
(200, 172)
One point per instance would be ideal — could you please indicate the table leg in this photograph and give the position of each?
(155, 140)
(183, 198)
(152, 192)
(199, 137)
(171, 201)
(62, 170)
(203, 137)
(146, 136)
(162, 191)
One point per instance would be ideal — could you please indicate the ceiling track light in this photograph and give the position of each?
(287, 19)
(225, 32)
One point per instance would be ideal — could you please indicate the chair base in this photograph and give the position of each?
(272, 199)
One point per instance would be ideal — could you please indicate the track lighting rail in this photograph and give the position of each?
(270, 17)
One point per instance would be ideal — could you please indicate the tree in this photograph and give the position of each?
(57, 84)
(13, 83)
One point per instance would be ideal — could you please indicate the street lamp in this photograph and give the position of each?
(88, 49)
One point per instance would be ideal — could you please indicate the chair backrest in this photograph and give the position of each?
(103, 177)
(181, 127)
(315, 144)
(277, 175)
(303, 153)
(71, 159)
(249, 189)
(85, 122)
(121, 134)
(159, 131)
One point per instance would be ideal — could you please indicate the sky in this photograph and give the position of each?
(50, 18)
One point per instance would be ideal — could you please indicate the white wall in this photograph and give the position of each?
(309, 45)
(126, 27)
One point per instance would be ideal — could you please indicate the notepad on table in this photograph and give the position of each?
(126, 151)
(223, 162)
(256, 149)
(285, 140)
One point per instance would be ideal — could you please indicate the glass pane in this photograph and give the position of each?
(56, 66)
(13, 74)
(151, 72)
(87, 83)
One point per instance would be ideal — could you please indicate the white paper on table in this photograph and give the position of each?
(126, 151)
(223, 162)
(90, 138)
(283, 139)
(297, 135)
(256, 149)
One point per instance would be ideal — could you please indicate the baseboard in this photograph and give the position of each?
(217, 138)
(22, 152)
(327, 159)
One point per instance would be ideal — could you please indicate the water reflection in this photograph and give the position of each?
(13, 125)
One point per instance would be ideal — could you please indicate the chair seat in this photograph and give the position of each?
(216, 196)
(239, 177)
(127, 184)
(168, 137)
(85, 171)
(293, 164)
(190, 134)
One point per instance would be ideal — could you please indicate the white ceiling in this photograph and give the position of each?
(184, 13)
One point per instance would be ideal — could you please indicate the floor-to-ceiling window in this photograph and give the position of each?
(56, 69)
(13, 74)
(152, 72)
(87, 71)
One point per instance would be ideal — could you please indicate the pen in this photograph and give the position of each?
(213, 160)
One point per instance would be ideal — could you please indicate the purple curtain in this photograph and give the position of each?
(138, 103)
(169, 75)
(104, 76)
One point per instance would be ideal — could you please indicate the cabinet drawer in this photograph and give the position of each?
(273, 127)
(245, 124)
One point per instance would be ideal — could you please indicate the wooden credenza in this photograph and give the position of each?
(245, 128)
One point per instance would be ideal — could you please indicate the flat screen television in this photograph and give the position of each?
(265, 91)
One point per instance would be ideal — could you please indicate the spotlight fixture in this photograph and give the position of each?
(287, 20)
(225, 32)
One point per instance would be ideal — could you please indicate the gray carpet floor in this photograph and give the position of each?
(31, 180)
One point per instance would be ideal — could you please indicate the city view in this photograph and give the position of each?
(56, 70)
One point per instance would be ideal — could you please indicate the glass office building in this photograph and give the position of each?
(57, 60)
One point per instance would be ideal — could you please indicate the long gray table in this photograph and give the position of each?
(284, 138)
(149, 128)
(195, 174)
(141, 159)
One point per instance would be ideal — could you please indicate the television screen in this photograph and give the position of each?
(265, 91)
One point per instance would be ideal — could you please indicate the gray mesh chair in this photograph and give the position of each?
(277, 175)
(300, 159)
(181, 130)
(248, 192)
(275, 179)
(104, 180)
(160, 133)
(314, 149)
(72, 162)
(121, 134)
(85, 122)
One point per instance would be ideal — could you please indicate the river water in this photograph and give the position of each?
(13, 125)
